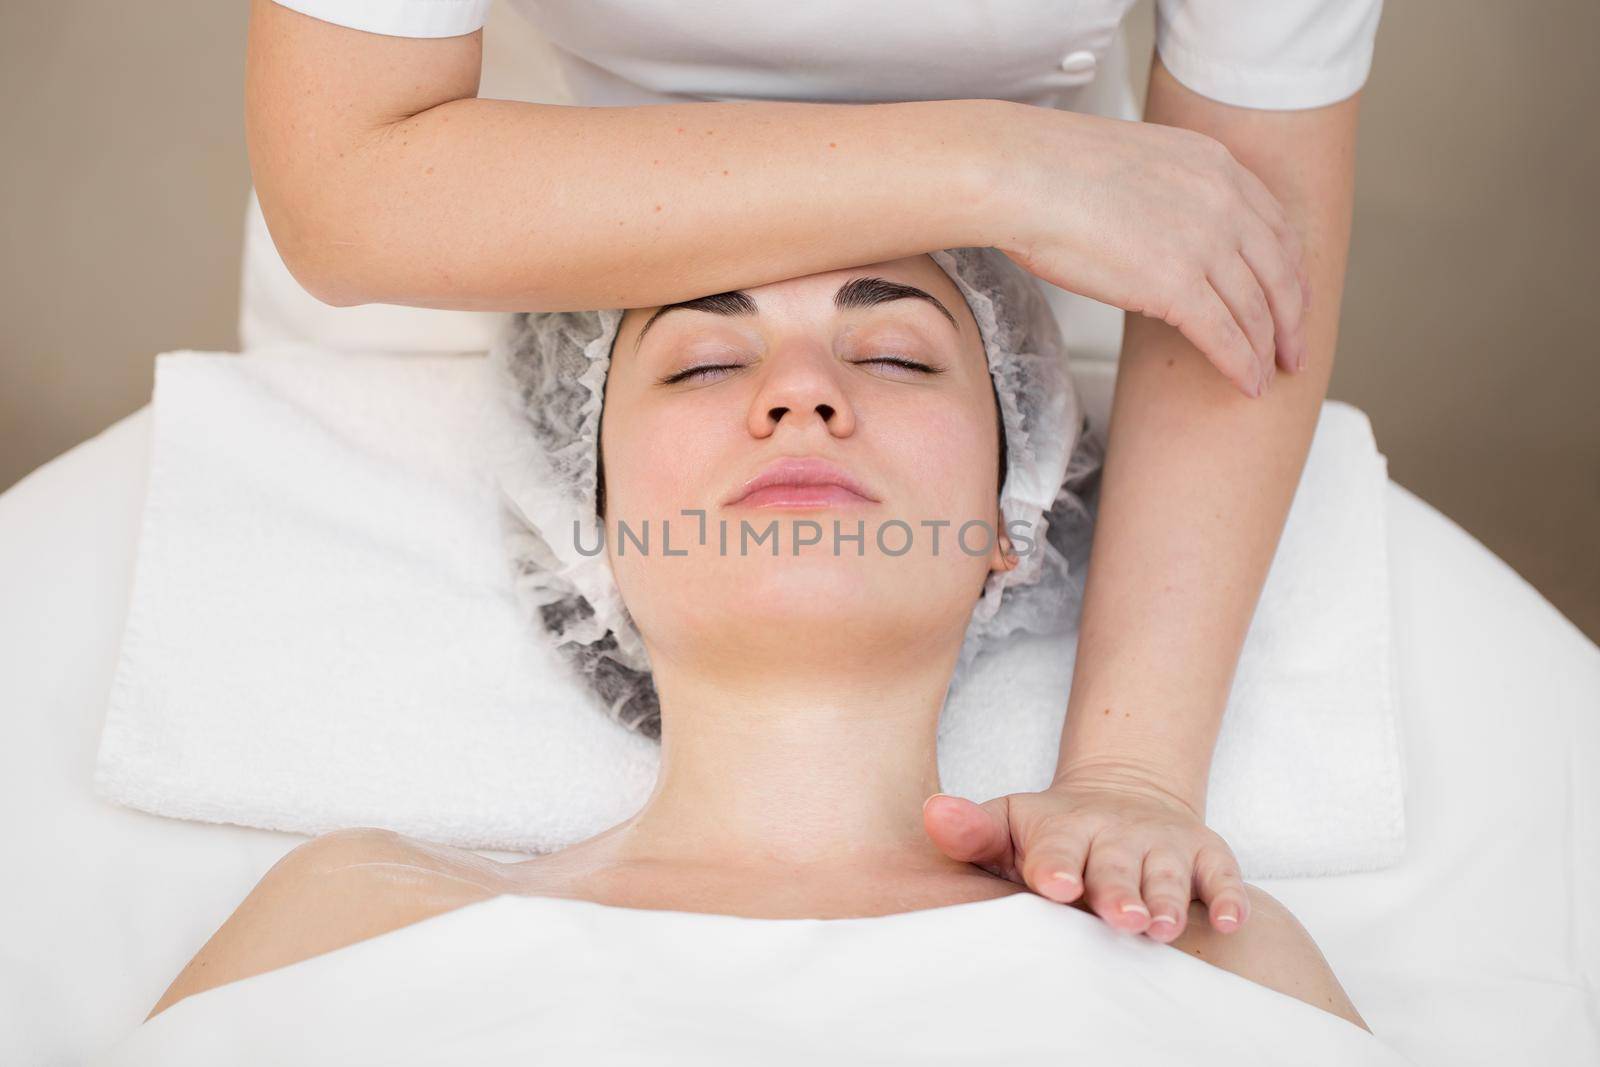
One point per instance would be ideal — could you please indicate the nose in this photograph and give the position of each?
(796, 386)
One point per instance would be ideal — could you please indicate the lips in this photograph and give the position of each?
(800, 481)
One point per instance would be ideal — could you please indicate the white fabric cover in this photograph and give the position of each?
(1275, 54)
(1479, 949)
(543, 980)
(323, 633)
(1268, 53)
(399, 18)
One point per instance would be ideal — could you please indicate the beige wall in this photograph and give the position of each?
(123, 181)
(1471, 315)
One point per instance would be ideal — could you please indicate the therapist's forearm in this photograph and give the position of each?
(1198, 479)
(384, 177)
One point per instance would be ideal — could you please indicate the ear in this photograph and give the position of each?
(1002, 557)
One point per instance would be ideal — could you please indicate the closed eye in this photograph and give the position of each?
(697, 372)
(694, 373)
(907, 363)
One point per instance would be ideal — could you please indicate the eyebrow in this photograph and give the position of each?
(856, 293)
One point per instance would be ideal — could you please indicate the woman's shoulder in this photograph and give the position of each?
(331, 892)
(388, 856)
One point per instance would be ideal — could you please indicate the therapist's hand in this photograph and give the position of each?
(1162, 221)
(1135, 854)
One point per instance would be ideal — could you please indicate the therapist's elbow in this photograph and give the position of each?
(333, 288)
(319, 256)
(324, 231)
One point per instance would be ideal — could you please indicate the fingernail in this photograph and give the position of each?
(1160, 919)
(1064, 876)
(925, 803)
(1134, 905)
(1228, 918)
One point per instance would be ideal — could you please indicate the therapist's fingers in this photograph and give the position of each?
(1220, 885)
(979, 834)
(1277, 219)
(1167, 885)
(1282, 283)
(1114, 871)
(1055, 851)
(1213, 329)
(1271, 211)
(1237, 285)
(1282, 286)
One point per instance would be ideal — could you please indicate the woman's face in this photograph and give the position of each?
(702, 399)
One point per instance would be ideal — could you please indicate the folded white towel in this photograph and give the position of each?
(322, 633)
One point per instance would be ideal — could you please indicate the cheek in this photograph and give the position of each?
(944, 455)
(656, 463)
(660, 460)
(944, 459)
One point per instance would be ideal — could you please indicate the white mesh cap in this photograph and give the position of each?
(552, 367)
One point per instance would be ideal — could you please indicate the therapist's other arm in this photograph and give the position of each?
(1195, 491)
(383, 177)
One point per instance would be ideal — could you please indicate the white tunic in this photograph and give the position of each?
(1250, 53)
(539, 980)
(1053, 53)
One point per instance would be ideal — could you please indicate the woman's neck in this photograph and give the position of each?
(798, 769)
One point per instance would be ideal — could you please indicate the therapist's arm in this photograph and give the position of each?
(1196, 486)
(384, 177)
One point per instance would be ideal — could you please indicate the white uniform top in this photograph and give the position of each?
(1275, 54)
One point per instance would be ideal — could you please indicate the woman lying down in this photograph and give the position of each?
(777, 899)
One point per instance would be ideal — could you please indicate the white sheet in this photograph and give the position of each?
(1017, 979)
(1480, 947)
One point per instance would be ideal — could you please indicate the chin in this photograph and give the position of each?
(814, 607)
(814, 598)
(807, 586)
